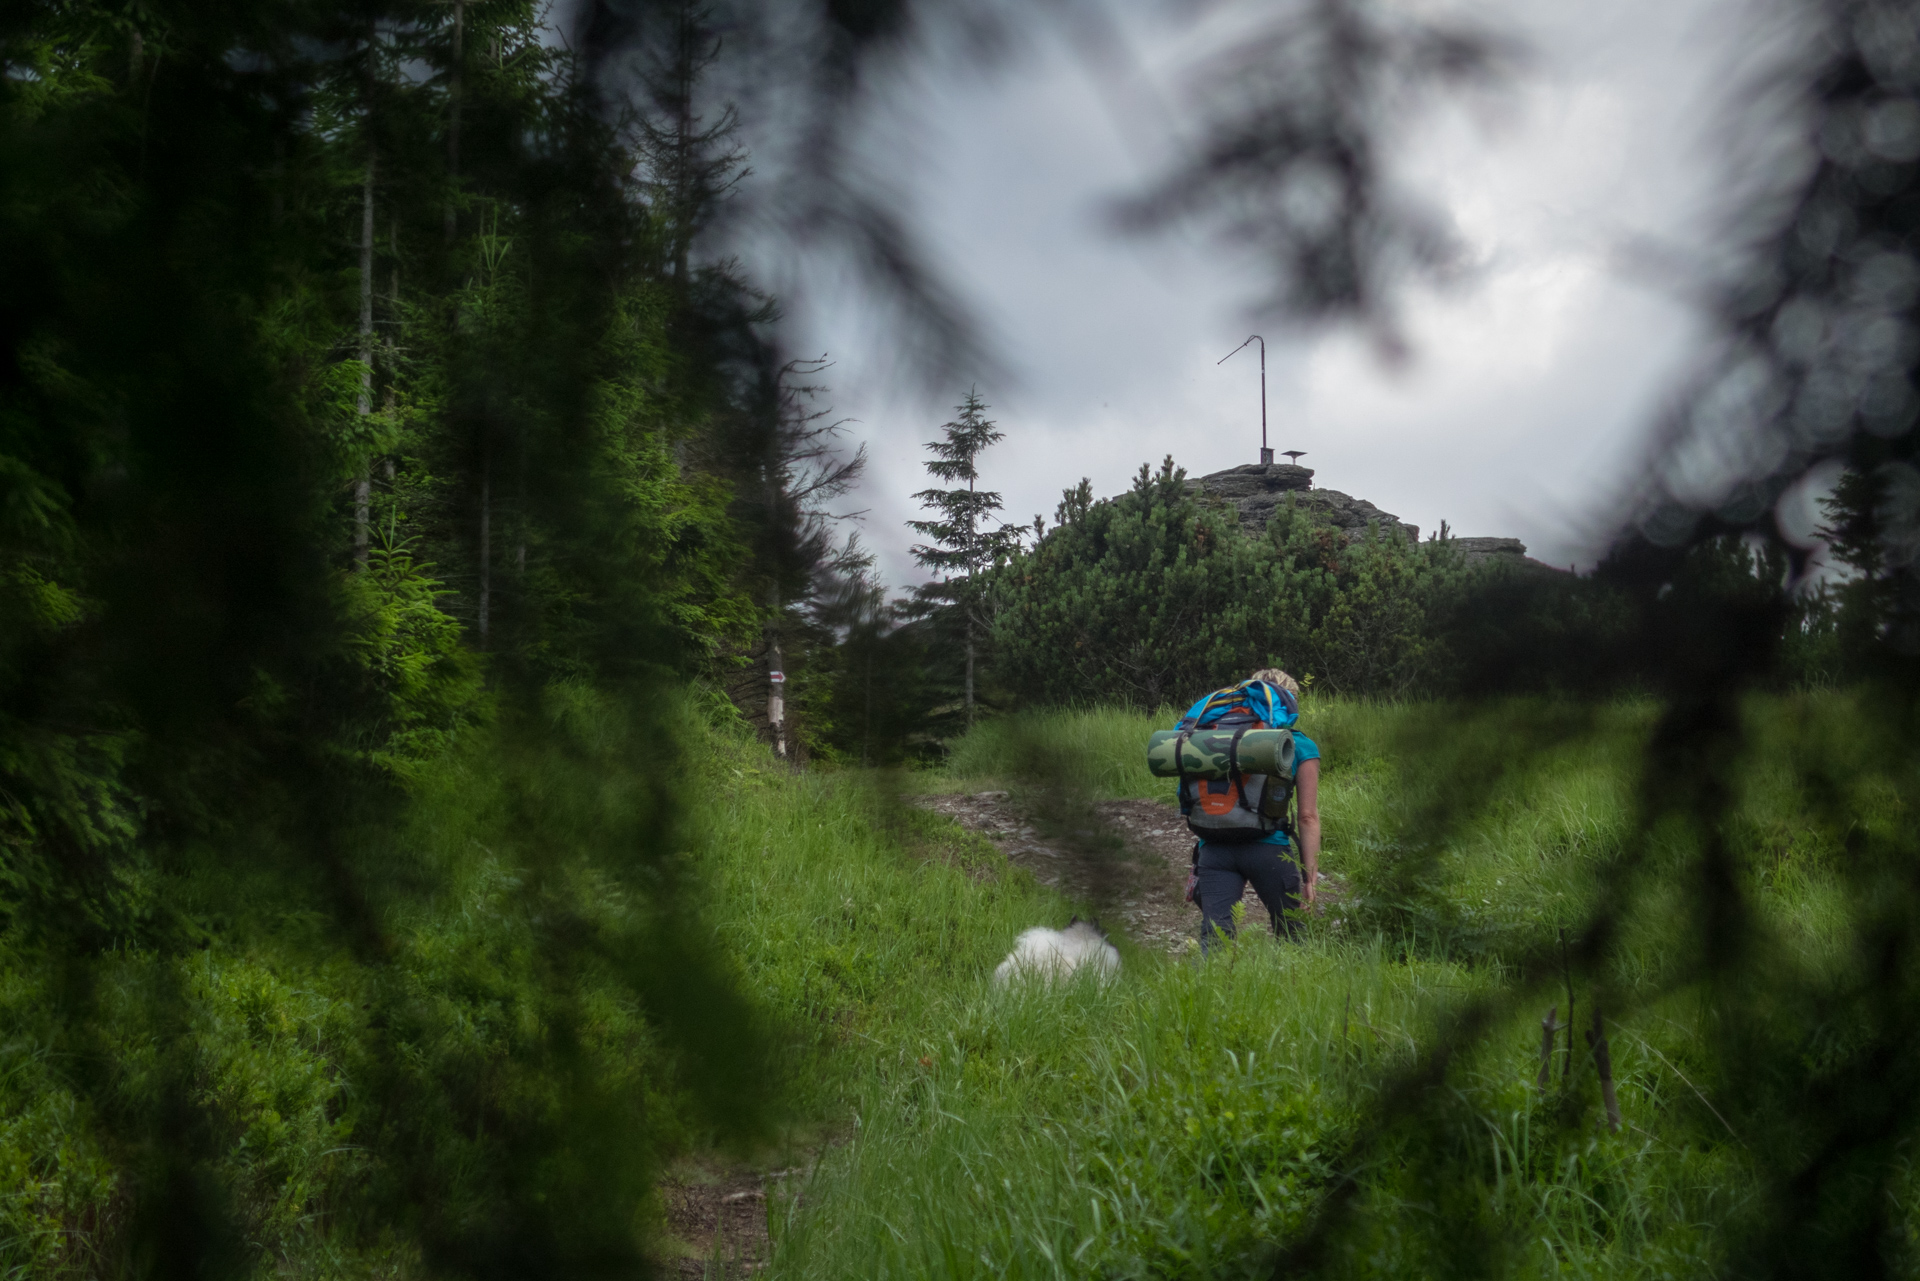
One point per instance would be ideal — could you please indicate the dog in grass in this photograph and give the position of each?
(1050, 954)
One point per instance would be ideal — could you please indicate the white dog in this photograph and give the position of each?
(1051, 954)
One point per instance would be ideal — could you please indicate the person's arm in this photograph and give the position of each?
(1306, 782)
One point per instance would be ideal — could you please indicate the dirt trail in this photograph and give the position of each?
(1133, 872)
(717, 1217)
(1131, 867)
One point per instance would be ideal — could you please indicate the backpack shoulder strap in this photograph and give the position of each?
(1233, 766)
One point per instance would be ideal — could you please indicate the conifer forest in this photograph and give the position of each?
(472, 804)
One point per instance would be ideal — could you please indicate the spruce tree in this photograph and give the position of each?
(960, 547)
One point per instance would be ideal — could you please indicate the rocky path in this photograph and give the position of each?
(717, 1218)
(1130, 866)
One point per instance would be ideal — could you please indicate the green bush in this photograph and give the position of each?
(1154, 597)
(1157, 595)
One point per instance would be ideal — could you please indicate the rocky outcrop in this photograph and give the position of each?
(1253, 481)
(1254, 490)
(1476, 550)
(1502, 551)
(1354, 515)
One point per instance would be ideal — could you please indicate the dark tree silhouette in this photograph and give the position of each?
(961, 547)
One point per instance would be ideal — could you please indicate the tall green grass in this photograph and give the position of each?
(849, 911)
(1482, 826)
(1103, 749)
(1184, 1121)
(1168, 1125)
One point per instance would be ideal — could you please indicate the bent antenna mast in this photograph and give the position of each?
(1266, 454)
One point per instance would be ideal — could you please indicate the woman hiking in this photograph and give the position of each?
(1246, 832)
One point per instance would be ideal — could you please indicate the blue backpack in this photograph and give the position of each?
(1245, 807)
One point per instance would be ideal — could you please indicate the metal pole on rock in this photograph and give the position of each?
(1266, 453)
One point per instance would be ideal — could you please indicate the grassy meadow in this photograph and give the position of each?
(1185, 1121)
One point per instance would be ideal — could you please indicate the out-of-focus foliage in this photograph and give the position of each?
(360, 530)
(495, 1076)
(1535, 631)
(1297, 117)
(376, 463)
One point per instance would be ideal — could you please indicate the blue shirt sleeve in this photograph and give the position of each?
(1304, 749)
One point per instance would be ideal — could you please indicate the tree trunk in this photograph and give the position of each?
(685, 199)
(363, 483)
(776, 691)
(486, 539)
(969, 696)
(453, 113)
(393, 304)
(866, 733)
(973, 568)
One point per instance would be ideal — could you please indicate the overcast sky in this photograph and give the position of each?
(1525, 408)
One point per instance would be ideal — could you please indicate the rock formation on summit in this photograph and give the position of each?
(1255, 489)
(1474, 550)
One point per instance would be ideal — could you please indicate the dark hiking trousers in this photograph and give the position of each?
(1224, 873)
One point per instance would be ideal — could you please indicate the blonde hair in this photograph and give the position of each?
(1274, 676)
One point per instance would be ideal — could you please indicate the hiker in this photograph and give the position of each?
(1246, 834)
